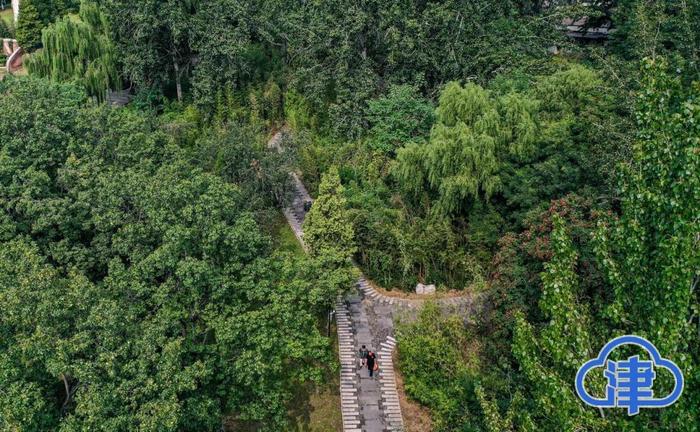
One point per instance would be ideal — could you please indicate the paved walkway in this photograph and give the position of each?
(367, 404)
(364, 317)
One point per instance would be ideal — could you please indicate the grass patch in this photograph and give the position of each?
(316, 408)
(7, 16)
(285, 239)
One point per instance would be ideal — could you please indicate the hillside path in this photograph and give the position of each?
(364, 317)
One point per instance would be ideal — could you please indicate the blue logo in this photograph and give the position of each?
(630, 381)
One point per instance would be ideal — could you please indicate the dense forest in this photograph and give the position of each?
(145, 279)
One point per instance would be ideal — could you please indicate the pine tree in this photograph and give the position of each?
(29, 25)
(328, 230)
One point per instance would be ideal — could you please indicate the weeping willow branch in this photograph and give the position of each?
(78, 51)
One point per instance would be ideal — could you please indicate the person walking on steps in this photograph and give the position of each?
(363, 355)
(372, 365)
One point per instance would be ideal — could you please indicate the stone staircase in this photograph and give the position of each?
(373, 415)
(349, 402)
(387, 382)
(367, 404)
(364, 317)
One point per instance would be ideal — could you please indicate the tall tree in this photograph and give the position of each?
(327, 228)
(550, 360)
(79, 50)
(153, 38)
(462, 162)
(650, 255)
(29, 25)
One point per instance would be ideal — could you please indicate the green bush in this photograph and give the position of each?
(399, 118)
(298, 111)
(6, 29)
(439, 362)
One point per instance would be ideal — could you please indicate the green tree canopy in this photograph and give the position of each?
(140, 292)
(650, 257)
(399, 118)
(327, 227)
(78, 50)
(29, 25)
(474, 132)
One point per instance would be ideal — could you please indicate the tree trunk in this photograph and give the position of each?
(67, 387)
(178, 83)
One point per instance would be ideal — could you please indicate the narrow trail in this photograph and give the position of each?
(365, 317)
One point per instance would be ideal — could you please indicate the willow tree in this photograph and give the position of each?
(475, 131)
(78, 51)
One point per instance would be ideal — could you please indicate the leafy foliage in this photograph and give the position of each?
(327, 229)
(152, 39)
(440, 369)
(635, 273)
(663, 28)
(651, 252)
(337, 54)
(494, 158)
(473, 133)
(399, 118)
(464, 143)
(49, 10)
(29, 25)
(79, 51)
(140, 291)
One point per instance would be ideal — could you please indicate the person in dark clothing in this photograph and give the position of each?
(371, 359)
